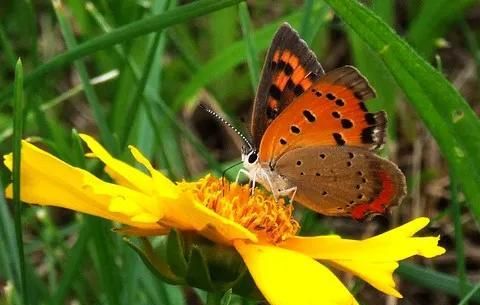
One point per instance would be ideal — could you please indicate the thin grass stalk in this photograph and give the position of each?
(251, 50)
(459, 240)
(18, 106)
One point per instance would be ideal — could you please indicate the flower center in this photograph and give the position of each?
(259, 213)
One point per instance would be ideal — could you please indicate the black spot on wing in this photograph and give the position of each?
(281, 65)
(288, 69)
(294, 129)
(367, 135)
(275, 92)
(309, 116)
(271, 112)
(298, 90)
(330, 96)
(338, 138)
(370, 118)
(346, 123)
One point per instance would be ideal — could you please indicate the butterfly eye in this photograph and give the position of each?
(252, 158)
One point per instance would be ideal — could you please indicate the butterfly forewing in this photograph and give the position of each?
(290, 68)
(342, 181)
(331, 113)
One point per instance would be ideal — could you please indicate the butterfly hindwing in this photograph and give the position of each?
(330, 113)
(290, 69)
(342, 181)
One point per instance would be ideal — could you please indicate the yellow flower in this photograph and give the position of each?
(287, 269)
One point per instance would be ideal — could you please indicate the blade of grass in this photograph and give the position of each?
(251, 51)
(470, 294)
(456, 215)
(325, 16)
(126, 32)
(222, 32)
(375, 71)
(134, 103)
(183, 42)
(92, 98)
(9, 252)
(447, 115)
(306, 20)
(7, 48)
(18, 106)
(433, 280)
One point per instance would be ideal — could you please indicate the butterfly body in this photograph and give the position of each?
(313, 136)
(267, 175)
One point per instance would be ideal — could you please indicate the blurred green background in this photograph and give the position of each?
(134, 72)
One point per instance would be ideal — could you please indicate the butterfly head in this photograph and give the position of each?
(249, 157)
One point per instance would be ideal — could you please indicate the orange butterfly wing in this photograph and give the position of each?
(290, 68)
(331, 112)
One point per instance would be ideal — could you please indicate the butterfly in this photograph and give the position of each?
(312, 137)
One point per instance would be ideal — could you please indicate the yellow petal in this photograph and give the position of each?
(187, 214)
(290, 278)
(396, 244)
(378, 274)
(373, 259)
(120, 171)
(47, 180)
(162, 185)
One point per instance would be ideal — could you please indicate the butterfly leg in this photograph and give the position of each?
(253, 181)
(275, 192)
(250, 176)
(290, 191)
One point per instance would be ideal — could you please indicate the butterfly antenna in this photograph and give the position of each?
(221, 119)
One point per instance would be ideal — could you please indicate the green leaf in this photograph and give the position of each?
(226, 298)
(154, 262)
(251, 51)
(434, 280)
(446, 114)
(198, 274)
(176, 253)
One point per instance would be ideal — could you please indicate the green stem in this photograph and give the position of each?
(17, 144)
